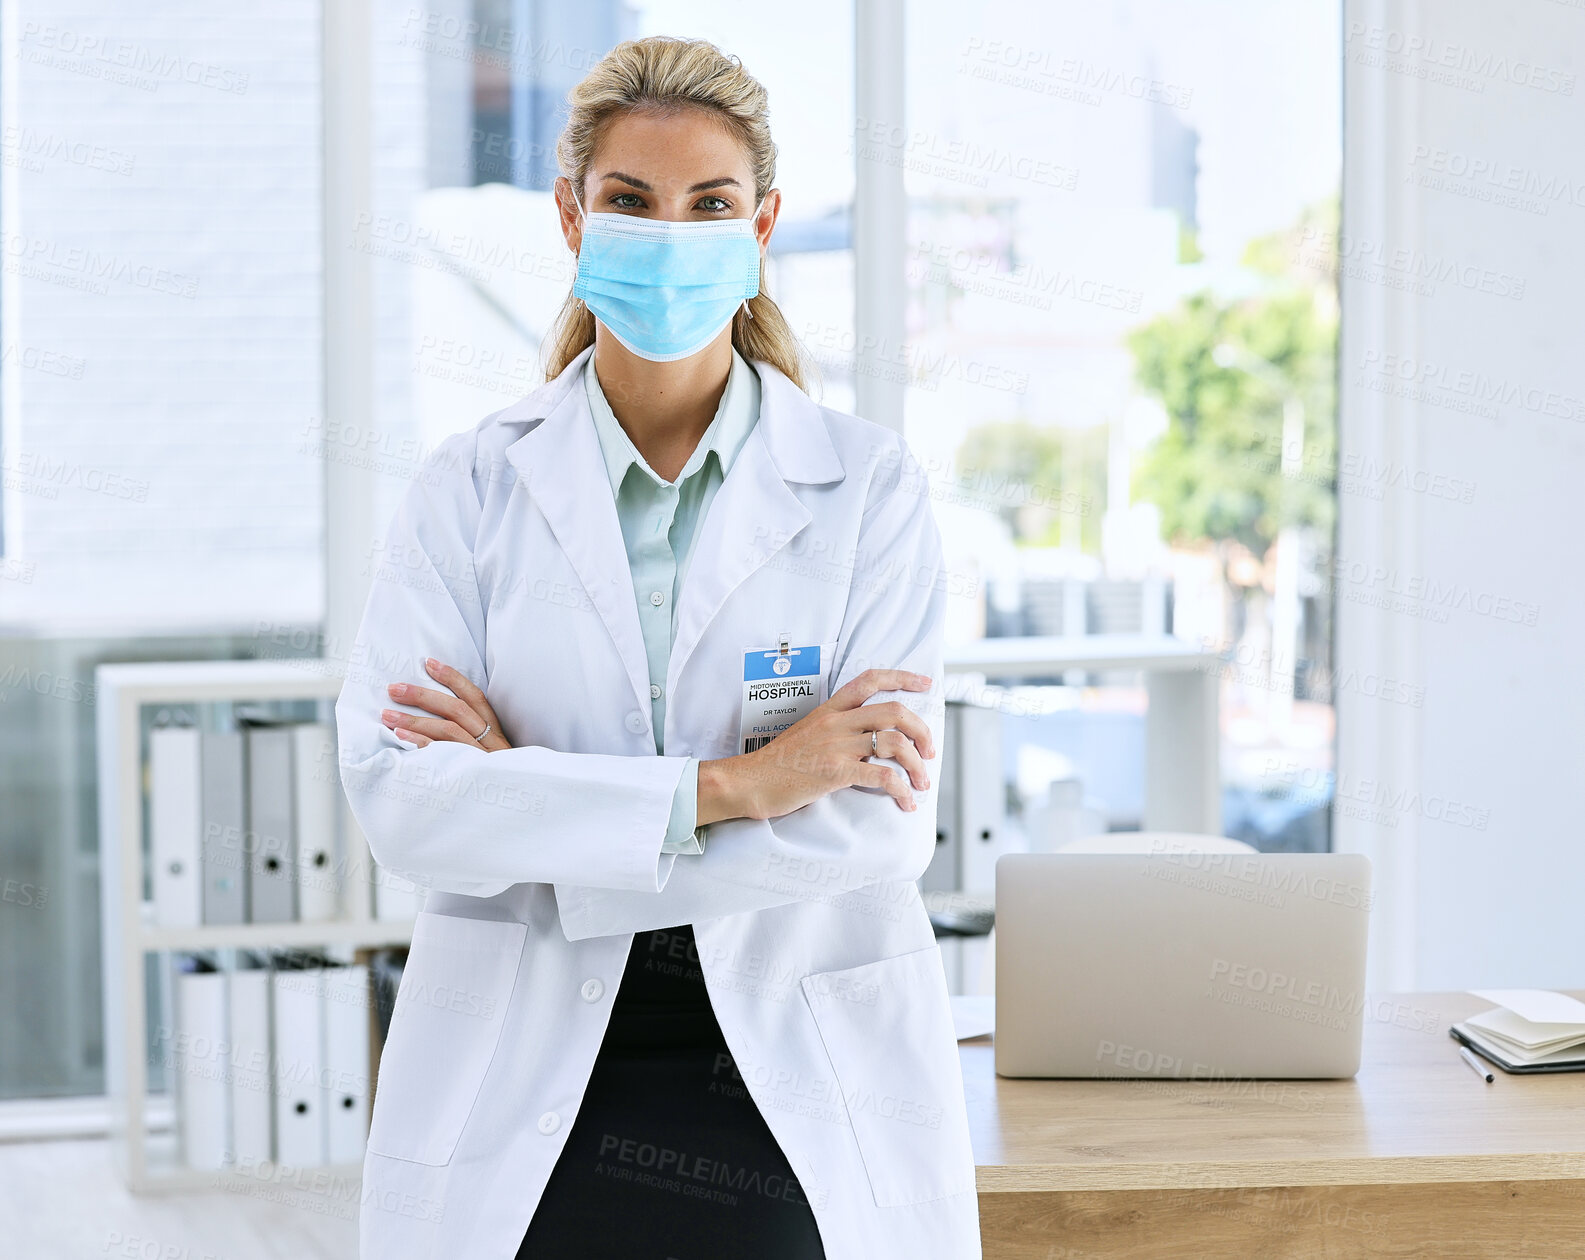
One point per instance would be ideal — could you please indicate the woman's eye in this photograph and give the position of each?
(633, 204)
(713, 204)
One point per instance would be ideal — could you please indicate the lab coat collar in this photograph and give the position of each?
(728, 429)
(754, 514)
(789, 422)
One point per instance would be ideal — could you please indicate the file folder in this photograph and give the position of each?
(980, 799)
(298, 1064)
(175, 826)
(203, 1093)
(252, 1109)
(224, 859)
(272, 874)
(346, 1005)
(317, 792)
(395, 896)
(944, 873)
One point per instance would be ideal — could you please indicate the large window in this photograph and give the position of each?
(1121, 332)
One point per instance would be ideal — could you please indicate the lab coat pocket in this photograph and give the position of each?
(887, 1029)
(445, 1026)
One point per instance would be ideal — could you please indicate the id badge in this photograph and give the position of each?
(781, 685)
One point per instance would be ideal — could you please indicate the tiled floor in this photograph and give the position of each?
(62, 1200)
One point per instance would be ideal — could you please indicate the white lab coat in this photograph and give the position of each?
(506, 560)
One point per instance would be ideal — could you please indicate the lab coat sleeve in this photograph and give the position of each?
(682, 835)
(453, 817)
(852, 837)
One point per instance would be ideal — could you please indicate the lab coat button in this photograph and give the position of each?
(657, 598)
(635, 722)
(654, 691)
(549, 1122)
(592, 989)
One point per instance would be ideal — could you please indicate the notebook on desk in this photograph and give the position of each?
(1529, 1030)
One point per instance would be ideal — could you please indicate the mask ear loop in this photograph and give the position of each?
(754, 219)
(582, 219)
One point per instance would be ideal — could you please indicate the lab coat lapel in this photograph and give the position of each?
(754, 514)
(560, 459)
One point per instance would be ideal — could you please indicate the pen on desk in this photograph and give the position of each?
(1478, 1067)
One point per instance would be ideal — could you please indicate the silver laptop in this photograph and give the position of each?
(1187, 965)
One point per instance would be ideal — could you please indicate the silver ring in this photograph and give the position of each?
(479, 738)
(874, 746)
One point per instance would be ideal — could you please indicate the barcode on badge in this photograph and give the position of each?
(755, 742)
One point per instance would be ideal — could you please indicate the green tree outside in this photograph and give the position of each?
(1216, 473)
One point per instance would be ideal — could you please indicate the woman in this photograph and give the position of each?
(659, 629)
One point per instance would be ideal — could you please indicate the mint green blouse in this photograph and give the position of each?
(659, 525)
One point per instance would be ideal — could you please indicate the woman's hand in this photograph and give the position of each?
(825, 751)
(460, 713)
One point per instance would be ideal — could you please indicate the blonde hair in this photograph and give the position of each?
(665, 74)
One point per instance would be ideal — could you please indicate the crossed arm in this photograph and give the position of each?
(462, 817)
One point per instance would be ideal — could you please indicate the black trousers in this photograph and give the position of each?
(669, 1157)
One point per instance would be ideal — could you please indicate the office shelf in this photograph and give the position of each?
(166, 1172)
(1183, 777)
(149, 1161)
(358, 933)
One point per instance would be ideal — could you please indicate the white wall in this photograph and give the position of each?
(161, 311)
(1463, 399)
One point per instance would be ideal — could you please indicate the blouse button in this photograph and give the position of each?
(654, 691)
(656, 598)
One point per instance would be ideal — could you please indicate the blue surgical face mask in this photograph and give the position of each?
(666, 289)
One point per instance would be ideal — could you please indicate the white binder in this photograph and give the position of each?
(944, 874)
(299, 1096)
(316, 788)
(347, 998)
(203, 1093)
(252, 1110)
(175, 825)
(395, 897)
(971, 823)
(981, 803)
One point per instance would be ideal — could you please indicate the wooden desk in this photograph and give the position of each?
(1414, 1157)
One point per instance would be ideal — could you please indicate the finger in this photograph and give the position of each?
(440, 703)
(896, 715)
(446, 731)
(412, 737)
(442, 729)
(464, 686)
(887, 780)
(900, 749)
(856, 691)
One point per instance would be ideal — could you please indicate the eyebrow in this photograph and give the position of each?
(640, 184)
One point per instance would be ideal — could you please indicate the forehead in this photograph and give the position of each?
(669, 150)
